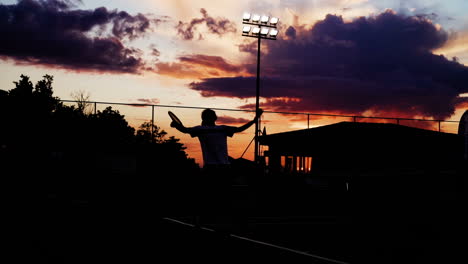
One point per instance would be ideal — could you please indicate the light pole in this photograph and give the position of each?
(259, 27)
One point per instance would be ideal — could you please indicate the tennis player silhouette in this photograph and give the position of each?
(215, 185)
(212, 137)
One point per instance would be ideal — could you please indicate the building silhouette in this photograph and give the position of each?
(360, 147)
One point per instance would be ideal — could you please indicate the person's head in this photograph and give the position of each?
(208, 117)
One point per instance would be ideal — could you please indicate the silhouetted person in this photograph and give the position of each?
(463, 131)
(216, 178)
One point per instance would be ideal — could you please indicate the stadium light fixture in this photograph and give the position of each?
(255, 18)
(260, 27)
(274, 20)
(273, 33)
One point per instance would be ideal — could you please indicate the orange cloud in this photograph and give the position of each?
(227, 120)
(149, 101)
(143, 102)
(215, 62)
(456, 45)
(198, 66)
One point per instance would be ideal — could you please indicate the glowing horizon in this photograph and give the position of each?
(193, 53)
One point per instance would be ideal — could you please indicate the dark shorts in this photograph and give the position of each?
(215, 189)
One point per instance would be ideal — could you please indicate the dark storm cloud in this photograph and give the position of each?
(51, 33)
(291, 32)
(218, 26)
(249, 47)
(382, 63)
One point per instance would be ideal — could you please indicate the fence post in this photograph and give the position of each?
(398, 121)
(152, 123)
(308, 121)
(354, 119)
(439, 125)
(95, 108)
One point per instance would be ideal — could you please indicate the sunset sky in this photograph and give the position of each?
(353, 57)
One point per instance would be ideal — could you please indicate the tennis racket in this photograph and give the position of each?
(174, 118)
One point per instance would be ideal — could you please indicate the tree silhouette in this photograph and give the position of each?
(64, 150)
(23, 88)
(150, 133)
(111, 129)
(176, 150)
(43, 88)
(36, 118)
(82, 101)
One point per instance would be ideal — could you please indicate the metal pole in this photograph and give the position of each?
(257, 103)
(95, 108)
(152, 123)
(439, 125)
(308, 121)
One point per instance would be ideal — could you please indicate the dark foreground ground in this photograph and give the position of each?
(124, 220)
(79, 234)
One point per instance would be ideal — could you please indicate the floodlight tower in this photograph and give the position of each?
(259, 27)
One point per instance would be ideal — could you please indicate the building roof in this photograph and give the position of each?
(364, 140)
(346, 128)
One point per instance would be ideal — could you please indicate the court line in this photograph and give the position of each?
(263, 243)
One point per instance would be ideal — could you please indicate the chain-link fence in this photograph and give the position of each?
(241, 145)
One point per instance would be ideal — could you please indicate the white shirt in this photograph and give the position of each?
(213, 141)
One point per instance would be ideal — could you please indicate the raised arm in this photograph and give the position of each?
(179, 127)
(250, 123)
